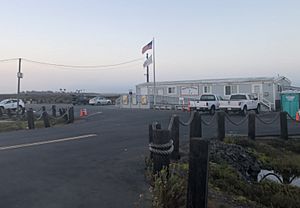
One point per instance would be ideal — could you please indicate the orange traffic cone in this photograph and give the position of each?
(81, 113)
(297, 116)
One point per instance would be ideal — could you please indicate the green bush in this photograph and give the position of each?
(170, 186)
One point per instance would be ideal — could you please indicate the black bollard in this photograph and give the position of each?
(30, 119)
(45, 117)
(71, 115)
(195, 127)
(251, 125)
(283, 126)
(160, 160)
(198, 173)
(54, 111)
(221, 125)
(175, 137)
(9, 113)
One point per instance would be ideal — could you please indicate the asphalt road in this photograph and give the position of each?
(103, 169)
(96, 162)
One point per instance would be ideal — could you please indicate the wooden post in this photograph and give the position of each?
(221, 125)
(54, 111)
(175, 137)
(155, 125)
(160, 136)
(198, 173)
(66, 115)
(151, 138)
(71, 115)
(45, 117)
(30, 119)
(195, 127)
(283, 126)
(251, 125)
(9, 113)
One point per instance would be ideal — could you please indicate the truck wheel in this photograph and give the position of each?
(212, 110)
(258, 109)
(244, 112)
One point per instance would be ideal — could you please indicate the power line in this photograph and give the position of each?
(83, 66)
(11, 59)
(90, 69)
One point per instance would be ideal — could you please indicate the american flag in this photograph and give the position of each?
(147, 47)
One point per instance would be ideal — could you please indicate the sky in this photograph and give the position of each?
(193, 40)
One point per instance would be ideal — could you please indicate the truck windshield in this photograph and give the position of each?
(207, 98)
(238, 97)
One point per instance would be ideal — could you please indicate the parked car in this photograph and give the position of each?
(11, 104)
(100, 101)
(79, 99)
(241, 103)
(207, 102)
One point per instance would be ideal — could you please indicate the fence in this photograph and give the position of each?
(147, 102)
(164, 145)
(47, 116)
(65, 114)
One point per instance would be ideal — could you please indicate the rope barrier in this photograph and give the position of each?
(209, 122)
(57, 118)
(169, 144)
(268, 122)
(234, 123)
(39, 117)
(292, 118)
(51, 117)
(157, 148)
(189, 121)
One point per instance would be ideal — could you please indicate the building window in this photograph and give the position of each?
(206, 89)
(171, 90)
(230, 89)
(279, 88)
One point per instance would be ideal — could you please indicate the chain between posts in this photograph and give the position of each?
(234, 123)
(268, 122)
(209, 122)
(189, 121)
(292, 118)
(54, 118)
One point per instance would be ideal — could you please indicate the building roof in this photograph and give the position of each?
(225, 80)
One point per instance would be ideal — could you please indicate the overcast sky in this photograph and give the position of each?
(193, 40)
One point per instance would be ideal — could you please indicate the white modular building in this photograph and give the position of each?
(266, 89)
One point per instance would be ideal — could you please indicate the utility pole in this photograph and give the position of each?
(147, 69)
(19, 75)
(154, 84)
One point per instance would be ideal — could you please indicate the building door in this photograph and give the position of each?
(257, 91)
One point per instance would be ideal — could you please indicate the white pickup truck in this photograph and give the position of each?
(240, 103)
(207, 102)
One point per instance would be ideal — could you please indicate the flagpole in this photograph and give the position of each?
(154, 84)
